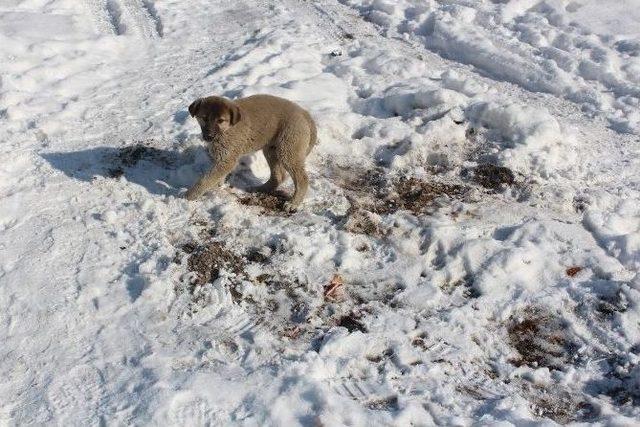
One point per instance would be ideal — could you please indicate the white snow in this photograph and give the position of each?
(475, 190)
(585, 51)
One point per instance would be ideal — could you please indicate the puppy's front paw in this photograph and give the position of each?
(192, 194)
(289, 207)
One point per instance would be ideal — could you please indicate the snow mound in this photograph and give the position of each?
(527, 140)
(537, 45)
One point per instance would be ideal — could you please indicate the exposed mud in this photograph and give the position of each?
(208, 260)
(130, 155)
(361, 221)
(491, 176)
(376, 192)
(542, 339)
(272, 204)
(558, 405)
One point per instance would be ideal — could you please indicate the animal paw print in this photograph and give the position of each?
(78, 394)
(187, 409)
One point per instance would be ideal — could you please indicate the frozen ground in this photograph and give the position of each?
(468, 254)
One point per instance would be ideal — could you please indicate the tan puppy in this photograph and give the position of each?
(283, 131)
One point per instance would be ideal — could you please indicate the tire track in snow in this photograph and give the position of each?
(153, 13)
(126, 18)
(143, 18)
(105, 17)
(114, 12)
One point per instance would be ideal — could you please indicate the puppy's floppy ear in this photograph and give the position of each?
(193, 108)
(236, 115)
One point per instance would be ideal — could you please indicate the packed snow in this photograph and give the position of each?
(542, 46)
(468, 252)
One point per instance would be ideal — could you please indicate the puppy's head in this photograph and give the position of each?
(215, 115)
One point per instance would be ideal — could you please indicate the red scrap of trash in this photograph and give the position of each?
(292, 332)
(572, 271)
(334, 291)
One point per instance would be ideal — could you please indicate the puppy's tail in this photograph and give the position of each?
(313, 140)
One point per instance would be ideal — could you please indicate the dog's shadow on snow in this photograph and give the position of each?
(159, 171)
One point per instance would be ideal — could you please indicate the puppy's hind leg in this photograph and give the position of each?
(300, 181)
(292, 149)
(278, 173)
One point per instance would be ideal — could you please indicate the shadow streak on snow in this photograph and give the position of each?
(159, 171)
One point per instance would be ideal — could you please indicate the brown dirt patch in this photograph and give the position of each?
(361, 221)
(609, 305)
(466, 284)
(541, 339)
(208, 260)
(558, 405)
(365, 181)
(352, 323)
(375, 192)
(492, 176)
(269, 203)
(131, 155)
(389, 403)
(417, 196)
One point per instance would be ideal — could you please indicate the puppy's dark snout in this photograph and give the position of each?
(207, 133)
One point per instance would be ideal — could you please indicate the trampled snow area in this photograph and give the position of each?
(468, 253)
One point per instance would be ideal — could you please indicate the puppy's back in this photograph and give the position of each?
(269, 105)
(273, 112)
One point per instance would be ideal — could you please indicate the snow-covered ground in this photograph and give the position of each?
(469, 252)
